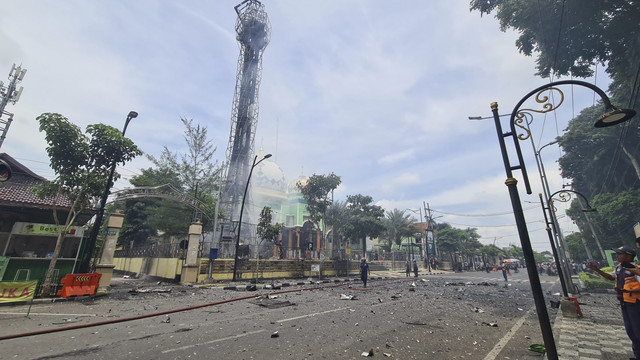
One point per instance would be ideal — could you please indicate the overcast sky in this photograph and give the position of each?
(377, 92)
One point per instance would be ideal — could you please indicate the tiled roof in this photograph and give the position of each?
(16, 191)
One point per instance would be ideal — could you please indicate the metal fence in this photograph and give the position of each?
(173, 250)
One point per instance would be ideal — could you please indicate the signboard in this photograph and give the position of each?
(315, 268)
(347, 251)
(45, 229)
(431, 249)
(636, 229)
(17, 291)
(107, 233)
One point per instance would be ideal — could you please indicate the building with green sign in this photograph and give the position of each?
(28, 232)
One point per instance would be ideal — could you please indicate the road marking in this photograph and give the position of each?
(213, 341)
(44, 314)
(505, 339)
(309, 315)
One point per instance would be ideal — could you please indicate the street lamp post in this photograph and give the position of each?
(235, 260)
(91, 243)
(611, 117)
(565, 196)
(554, 249)
(557, 241)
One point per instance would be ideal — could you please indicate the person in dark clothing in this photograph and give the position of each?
(407, 268)
(415, 269)
(504, 272)
(364, 271)
(627, 278)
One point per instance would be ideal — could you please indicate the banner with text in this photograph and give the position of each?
(11, 291)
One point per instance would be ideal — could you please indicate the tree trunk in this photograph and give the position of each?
(634, 161)
(45, 290)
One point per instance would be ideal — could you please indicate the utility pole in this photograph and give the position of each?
(9, 94)
(430, 241)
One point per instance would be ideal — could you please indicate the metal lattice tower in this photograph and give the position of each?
(253, 31)
(9, 94)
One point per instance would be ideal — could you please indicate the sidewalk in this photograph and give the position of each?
(599, 334)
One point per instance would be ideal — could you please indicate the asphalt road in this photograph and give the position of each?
(472, 315)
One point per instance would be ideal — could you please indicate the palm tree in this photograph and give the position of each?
(398, 225)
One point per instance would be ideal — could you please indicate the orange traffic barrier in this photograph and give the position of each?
(79, 284)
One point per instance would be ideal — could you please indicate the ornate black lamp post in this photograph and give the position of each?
(611, 117)
(563, 196)
(91, 243)
(235, 259)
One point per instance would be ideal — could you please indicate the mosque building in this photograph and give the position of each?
(300, 238)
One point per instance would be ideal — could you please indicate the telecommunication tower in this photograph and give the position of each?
(9, 94)
(253, 32)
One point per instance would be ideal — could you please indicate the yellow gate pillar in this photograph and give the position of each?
(106, 266)
(190, 270)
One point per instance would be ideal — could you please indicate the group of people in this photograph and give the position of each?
(408, 268)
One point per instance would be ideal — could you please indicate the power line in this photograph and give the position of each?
(483, 215)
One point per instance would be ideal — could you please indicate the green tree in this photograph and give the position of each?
(316, 193)
(398, 225)
(453, 240)
(364, 219)
(82, 165)
(196, 165)
(192, 170)
(589, 150)
(570, 36)
(514, 252)
(267, 231)
(336, 217)
(613, 222)
(576, 247)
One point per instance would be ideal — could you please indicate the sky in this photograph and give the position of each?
(377, 92)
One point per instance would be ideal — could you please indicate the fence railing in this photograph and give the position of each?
(157, 250)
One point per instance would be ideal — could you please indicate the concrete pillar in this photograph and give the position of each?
(106, 266)
(191, 268)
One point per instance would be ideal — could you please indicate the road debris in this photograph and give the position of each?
(367, 353)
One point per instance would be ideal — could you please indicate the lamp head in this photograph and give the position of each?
(267, 156)
(589, 209)
(614, 116)
(132, 115)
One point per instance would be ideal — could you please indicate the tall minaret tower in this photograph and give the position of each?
(253, 32)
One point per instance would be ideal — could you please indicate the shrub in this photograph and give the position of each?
(594, 281)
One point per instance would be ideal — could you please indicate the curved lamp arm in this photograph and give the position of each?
(565, 196)
(612, 115)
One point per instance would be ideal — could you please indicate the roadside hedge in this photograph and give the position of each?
(595, 281)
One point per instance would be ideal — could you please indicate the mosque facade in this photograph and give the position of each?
(300, 238)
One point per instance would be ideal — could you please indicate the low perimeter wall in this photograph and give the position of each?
(222, 269)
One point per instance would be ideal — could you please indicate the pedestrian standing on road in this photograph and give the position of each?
(504, 272)
(627, 277)
(408, 268)
(364, 271)
(415, 269)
